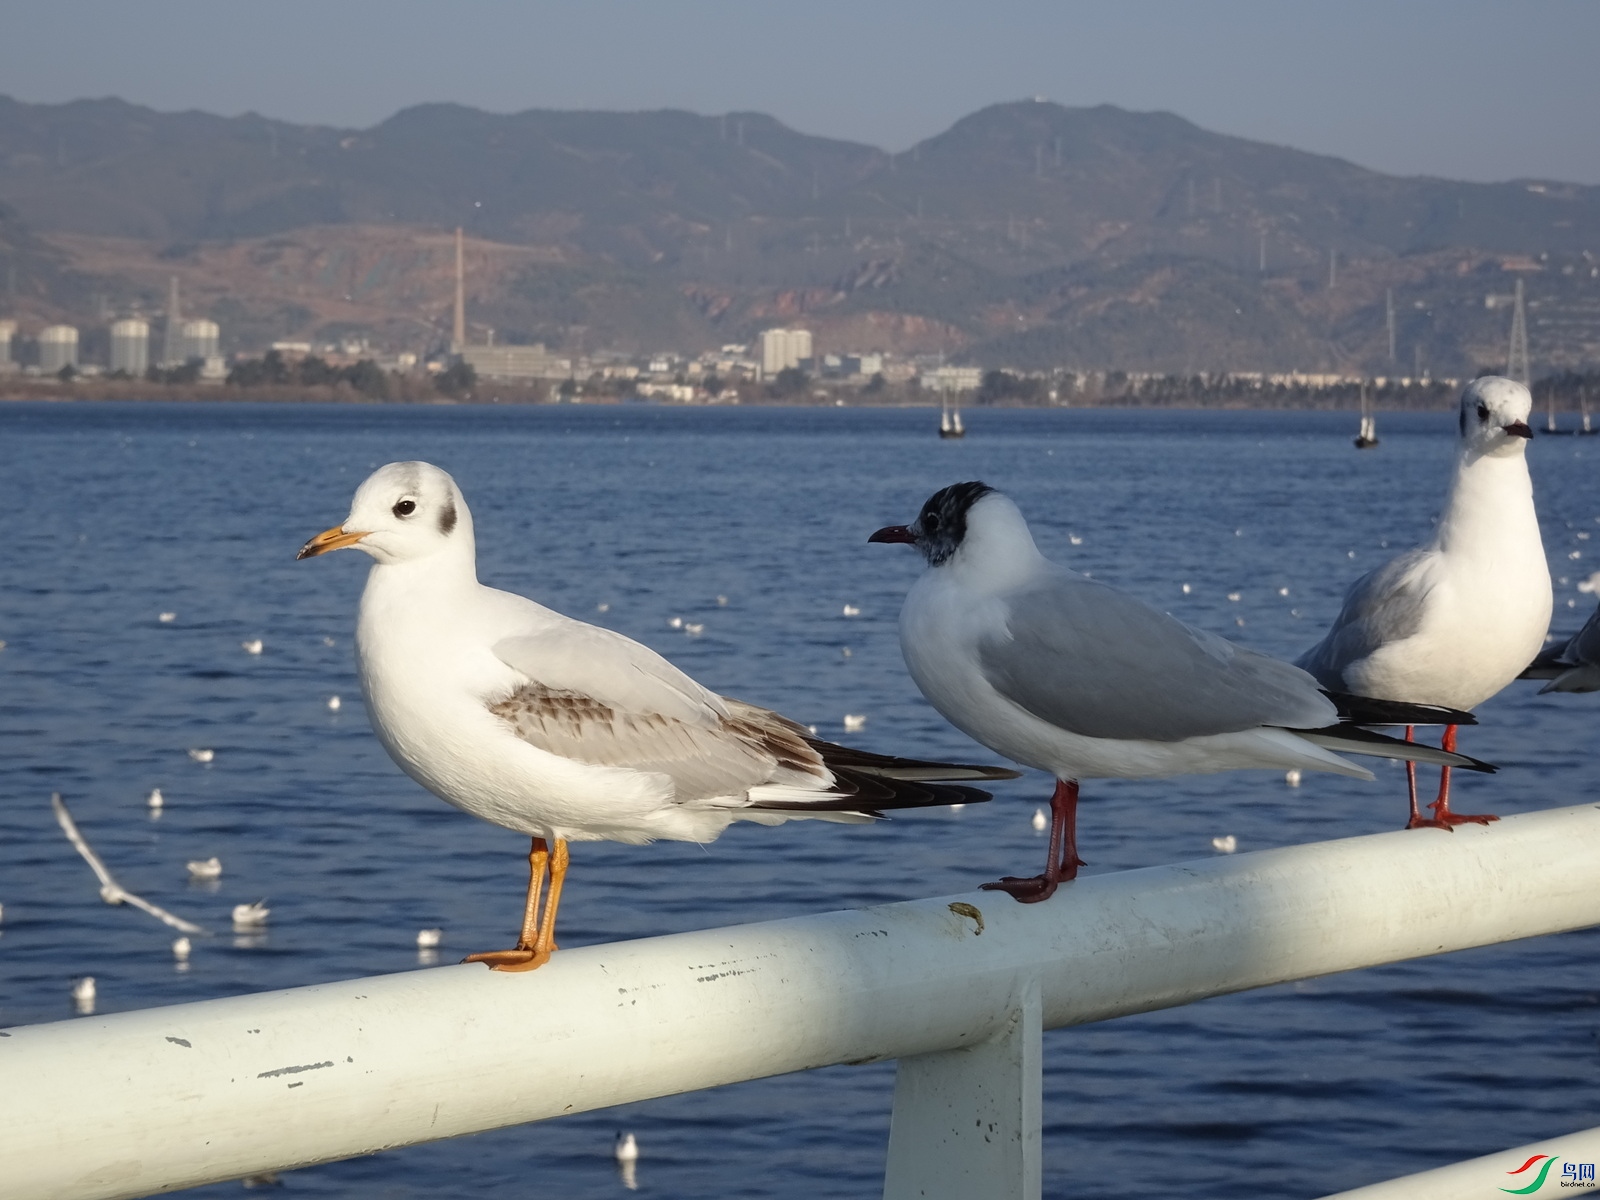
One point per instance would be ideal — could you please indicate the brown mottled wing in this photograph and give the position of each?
(748, 748)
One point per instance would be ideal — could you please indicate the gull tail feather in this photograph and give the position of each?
(1368, 710)
(871, 784)
(1350, 739)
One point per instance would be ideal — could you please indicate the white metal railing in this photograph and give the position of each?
(958, 989)
(1551, 1168)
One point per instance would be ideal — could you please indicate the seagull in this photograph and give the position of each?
(1453, 622)
(205, 868)
(251, 916)
(111, 891)
(1063, 673)
(1573, 666)
(564, 731)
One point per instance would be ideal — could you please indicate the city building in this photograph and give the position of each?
(8, 330)
(953, 379)
(782, 349)
(58, 348)
(130, 346)
(513, 363)
(199, 339)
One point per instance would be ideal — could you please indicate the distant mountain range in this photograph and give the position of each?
(1027, 234)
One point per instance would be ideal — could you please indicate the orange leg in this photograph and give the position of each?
(538, 929)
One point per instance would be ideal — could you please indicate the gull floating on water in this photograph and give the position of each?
(167, 618)
(180, 949)
(254, 646)
(1070, 676)
(566, 731)
(429, 939)
(1453, 622)
(251, 916)
(1292, 777)
(850, 610)
(202, 756)
(334, 703)
(111, 891)
(83, 994)
(154, 799)
(205, 868)
(626, 1152)
(854, 722)
(1041, 820)
(1226, 844)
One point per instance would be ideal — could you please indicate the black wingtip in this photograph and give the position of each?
(1368, 710)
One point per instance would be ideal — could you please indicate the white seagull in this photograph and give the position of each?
(564, 731)
(1063, 673)
(1453, 622)
(1573, 665)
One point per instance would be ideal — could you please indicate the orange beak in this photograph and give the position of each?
(329, 539)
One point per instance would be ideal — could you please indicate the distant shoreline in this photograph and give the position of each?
(124, 391)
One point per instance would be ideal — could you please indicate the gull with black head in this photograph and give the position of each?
(1062, 673)
(567, 732)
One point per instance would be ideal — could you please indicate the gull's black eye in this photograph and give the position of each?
(1483, 412)
(930, 522)
(405, 508)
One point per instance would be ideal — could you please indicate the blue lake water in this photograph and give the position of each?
(116, 513)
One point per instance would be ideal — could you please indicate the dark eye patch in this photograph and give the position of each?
(447, 517)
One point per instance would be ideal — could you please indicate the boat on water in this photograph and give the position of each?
(950, 418)
(1367, 438)
(1586, 425)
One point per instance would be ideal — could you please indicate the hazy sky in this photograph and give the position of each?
(1468, 89)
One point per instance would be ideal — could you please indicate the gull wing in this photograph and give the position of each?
(1385, 605)
(611, 669)
(1100, 663)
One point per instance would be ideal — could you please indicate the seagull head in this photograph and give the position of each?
(404, 511)
(967, 523)
(1494, 416)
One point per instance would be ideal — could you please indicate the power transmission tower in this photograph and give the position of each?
(1388, 300)
(1517, 357)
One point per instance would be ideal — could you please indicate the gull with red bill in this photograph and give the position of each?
(1060, 672)
(568, 732)
(1453, 622)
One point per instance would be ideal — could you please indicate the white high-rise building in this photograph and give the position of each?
(58, 347)
(200, 339)
(130, 346)
(784, 348)
(8, 330)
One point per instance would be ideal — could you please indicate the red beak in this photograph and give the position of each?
(1518, 429)
(894, 533)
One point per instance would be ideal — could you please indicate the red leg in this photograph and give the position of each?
(1443, 818)
(1063, 861)
(1411, 783)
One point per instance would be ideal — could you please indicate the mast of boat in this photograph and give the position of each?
(1549, 408)
(1368, 434)
(955, 407)
(944, 411)
(1583, 407)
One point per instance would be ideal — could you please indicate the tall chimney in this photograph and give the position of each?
(458, 335)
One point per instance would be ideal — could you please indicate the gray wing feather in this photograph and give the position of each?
(617, 671)
(1385, 605)
(1100, 663)
(751, 747)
